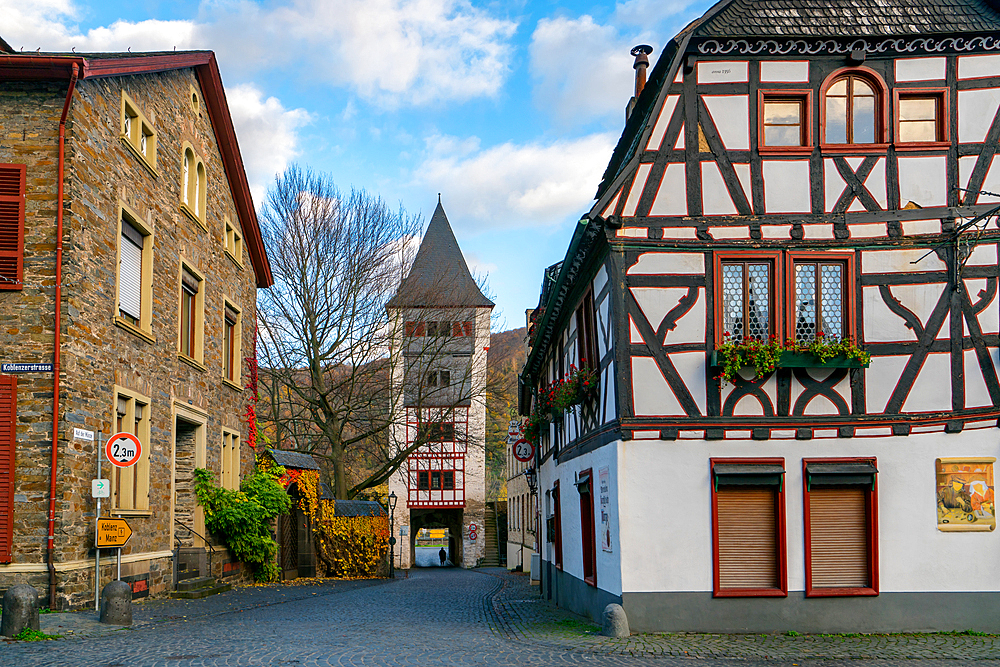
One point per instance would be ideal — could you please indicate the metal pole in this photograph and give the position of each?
(119, 563)
(97, 550)
(392, 547)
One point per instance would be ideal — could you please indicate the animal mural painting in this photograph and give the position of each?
(965, 500)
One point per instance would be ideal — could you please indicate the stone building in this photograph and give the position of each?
(792, 173)
(130, 257)
(439, 369)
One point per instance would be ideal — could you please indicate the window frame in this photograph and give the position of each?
(138, 474)
(849, 316)
(943, 117)
(587, 346)
(881, 111)
(781, 545)
(198, 358)
(194, 181)
(777, 277)
(143, 328)
(805, 98)
(557, 513)
(230, 463)
(233, 241)
(236, 361)
(20, 173)
(872, 518)
(131, 134)
(588, 529)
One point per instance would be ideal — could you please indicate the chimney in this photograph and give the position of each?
(640, 66)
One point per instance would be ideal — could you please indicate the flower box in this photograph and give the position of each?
(791, 359)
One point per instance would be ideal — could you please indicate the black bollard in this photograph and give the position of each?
(116, 603)
(20, 610)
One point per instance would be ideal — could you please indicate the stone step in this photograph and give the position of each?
(187, 574)
(199, 593)
(193, 584)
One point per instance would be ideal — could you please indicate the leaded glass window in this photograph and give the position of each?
(819, 300)
(746, 300)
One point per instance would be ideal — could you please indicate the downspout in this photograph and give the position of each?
(49, 548)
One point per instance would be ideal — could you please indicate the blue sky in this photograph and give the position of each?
(510, 110)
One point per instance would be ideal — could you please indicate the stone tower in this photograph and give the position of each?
(442, 320)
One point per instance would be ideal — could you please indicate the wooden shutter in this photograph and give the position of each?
(12, 182)
(8, 412)
(130, 271)
(747, 534)
(838, 524)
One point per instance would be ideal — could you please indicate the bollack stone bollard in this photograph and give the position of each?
(116, 603)
(20, 610)
(614, 622)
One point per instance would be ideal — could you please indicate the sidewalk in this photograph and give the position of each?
(522, 615)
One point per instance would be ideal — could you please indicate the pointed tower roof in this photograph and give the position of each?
(439, 276)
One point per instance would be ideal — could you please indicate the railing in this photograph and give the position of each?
(177, 548)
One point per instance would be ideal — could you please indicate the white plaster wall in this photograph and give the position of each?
(666, 522)
(920, 69)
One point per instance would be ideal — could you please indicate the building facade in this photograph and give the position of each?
(130, 257)
(521, 515)
(441, 337)
(822, 172)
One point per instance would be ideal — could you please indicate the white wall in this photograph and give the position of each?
(666, 517)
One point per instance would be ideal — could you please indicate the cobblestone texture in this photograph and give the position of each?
(440, 617)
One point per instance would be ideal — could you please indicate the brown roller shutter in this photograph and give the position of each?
(747, 534)
(8, 410)
(12, 182)
(838, 528)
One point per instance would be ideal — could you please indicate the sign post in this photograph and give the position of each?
(123, 450)
(523, 450)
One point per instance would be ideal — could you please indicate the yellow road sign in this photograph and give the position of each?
(112, 533)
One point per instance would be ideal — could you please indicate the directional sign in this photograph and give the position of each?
(523, 450)
(112, 533)
(100, 488)
(83, 434)
(123, 449)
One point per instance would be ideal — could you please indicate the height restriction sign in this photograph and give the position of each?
(123, 449)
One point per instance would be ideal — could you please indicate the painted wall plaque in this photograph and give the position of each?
(965, 500)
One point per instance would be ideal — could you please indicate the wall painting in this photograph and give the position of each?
(965, 499)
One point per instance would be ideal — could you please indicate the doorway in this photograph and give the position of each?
(433, 548)
(432, 530)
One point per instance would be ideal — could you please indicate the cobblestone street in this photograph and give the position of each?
(435, 617)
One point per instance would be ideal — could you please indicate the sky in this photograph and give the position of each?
(509, 110)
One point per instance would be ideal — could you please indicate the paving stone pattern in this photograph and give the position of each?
(437, 616)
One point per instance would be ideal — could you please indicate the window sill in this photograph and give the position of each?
(804, 360)
(590, 581)
(785, 150)
(854, 149)
(122, 323)
(232, 385)
(139, 513)
(750, 593)
(840, 592)
(923, 146)
(232, 258)
(186, 210)
(193, 363)
(150, 167)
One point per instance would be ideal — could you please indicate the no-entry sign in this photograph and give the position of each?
(123, 449)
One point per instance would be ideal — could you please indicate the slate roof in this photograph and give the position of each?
(283, 457)
(439, 276)
(358, 508)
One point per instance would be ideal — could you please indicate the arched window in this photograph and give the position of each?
(853, 110)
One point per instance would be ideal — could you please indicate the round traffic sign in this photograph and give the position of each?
(123, 449)
(523, 450)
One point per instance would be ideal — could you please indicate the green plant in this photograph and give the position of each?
(793, 633)
(242, 518)
(765, 355)
(29, 635)
(825, 348)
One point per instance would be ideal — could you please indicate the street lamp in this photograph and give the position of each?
(531, 477)
(392, 535)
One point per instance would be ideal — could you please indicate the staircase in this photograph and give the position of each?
(492, 556)
(195, 587)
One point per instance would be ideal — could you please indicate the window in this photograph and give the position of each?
(439, 431)
(748, 298)
(748, 527)
(557, 516)
(840, 504)
(135, 273)
(437, 379)
(232, 344)
(234, 242)
(784, 118)
(130, 486)
(230, 460)
(12, 189)
(191, 317)
(8, 442)
(853, 109)
(585, 485)
(193, 182)
(818, 300)
(921, 116)
(436, 480)
(415, 329)
(137, 133)
(586, 333)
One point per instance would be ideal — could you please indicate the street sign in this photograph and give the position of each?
(123, 449)
(112, 533)
(524, 451)
(25, 368)
(83, 434)
(100, 488)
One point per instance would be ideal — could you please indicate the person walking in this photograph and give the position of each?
(443, 555)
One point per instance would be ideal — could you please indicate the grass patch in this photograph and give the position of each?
(29, 635)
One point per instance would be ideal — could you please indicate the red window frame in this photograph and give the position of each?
(8, 445)
(13, 179)
(781, 539)
(586, 333)
(413, 329)
(848, 296)
(943, 123)
(557, 544)
(802, 96)
(872, 517)
(588, 529)
(777, 280)
(881, 111)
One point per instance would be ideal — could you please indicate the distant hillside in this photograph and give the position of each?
(508, 351)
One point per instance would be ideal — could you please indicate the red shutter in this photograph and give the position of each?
(467, 328)
(8, 411)
(838, 522)
(12, 179)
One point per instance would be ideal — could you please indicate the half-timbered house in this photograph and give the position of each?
(814, 169)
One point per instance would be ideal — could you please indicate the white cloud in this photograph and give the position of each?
(516, 185)
(267, 134)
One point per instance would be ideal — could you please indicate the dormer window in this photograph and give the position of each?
(853, 105)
